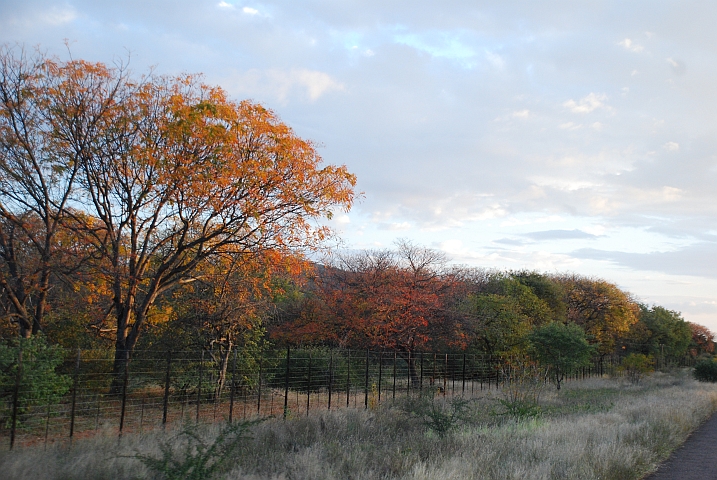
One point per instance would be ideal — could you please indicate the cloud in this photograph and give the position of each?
(671, 146)
(587, 104)
(629, 45)
(522, 113)
(281, 84)
(250, 11)
(560, 235)
(699, 259)
(678, 67)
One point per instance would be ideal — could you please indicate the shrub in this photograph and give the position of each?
(705, 370)
(193, 454)
(40, 384)
(637, 365)
(440, 417)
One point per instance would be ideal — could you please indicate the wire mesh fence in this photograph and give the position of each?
(90, 391)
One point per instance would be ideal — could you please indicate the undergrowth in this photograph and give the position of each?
(590, 429)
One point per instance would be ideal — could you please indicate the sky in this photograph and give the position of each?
(560, 136)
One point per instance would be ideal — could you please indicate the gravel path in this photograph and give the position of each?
(696, 459)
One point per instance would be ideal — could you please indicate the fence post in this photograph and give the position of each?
(380, 373)
(199, 384)
(125, 382)
(308, 388)
(348, 378)
(408, 374)
(258, 399)
(286, 382)
(420, 385)
(232, 387)
(165, 405)
(394, 375)
(16, 397)
(463, 374)
(74, 395)
(331, 376)
(445, 377)
(365, 388)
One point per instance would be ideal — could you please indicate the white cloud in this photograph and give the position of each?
(522, 113)
(629, 45)
(569, 126)
(671, 146)
(250, 11)
(59, 16)
(281, 84)
(224, 4)
(587, 104)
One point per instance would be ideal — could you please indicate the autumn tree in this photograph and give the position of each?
(603, 310)
(702, 340)
(158, 175)
(658, 332)
(38, 171)
(383, 299)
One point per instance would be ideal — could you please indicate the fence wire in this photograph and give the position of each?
(154, 389)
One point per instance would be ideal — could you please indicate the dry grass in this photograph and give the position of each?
(597, 428)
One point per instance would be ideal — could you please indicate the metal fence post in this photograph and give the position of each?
(463, 374)
(125, 382)
(420, 385)
(165, 405)
(74, 395)
(380, 374)
(331, 376)
(16, 398)
(286, 382)
(199, 384)
(258, 399)
(348, 378)
(365, 388)
(394, 375)
(232, 386)
(308, 388)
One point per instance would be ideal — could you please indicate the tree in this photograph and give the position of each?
(562, 347)
(384, 299)
(37, 170)
(168, 173)
(603, 310)
(501, 314)
(659, 332)
(702, 340)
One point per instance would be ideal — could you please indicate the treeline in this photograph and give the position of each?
(411, 299)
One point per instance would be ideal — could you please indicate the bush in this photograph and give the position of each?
(705, 370)
(40, 384)
(438, 416)
(637, 366)
(195, 454)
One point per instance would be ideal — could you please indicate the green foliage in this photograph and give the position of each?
(705, 370)
(562, 347)
(519, 410)
(438, 416)
(39, 381)
(668, 333)
(637, 365)
(194, 455)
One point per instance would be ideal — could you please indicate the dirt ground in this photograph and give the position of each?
(696, 459)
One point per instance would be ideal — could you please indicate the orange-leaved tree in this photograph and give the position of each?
(173, 173)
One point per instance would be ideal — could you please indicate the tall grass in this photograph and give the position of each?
(597, 428)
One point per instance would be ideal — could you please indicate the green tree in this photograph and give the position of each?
(562, 347)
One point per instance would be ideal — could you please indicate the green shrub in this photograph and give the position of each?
(637, 365)
(438, 416)
(40, 384)
(705, 370)
(195, 454)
